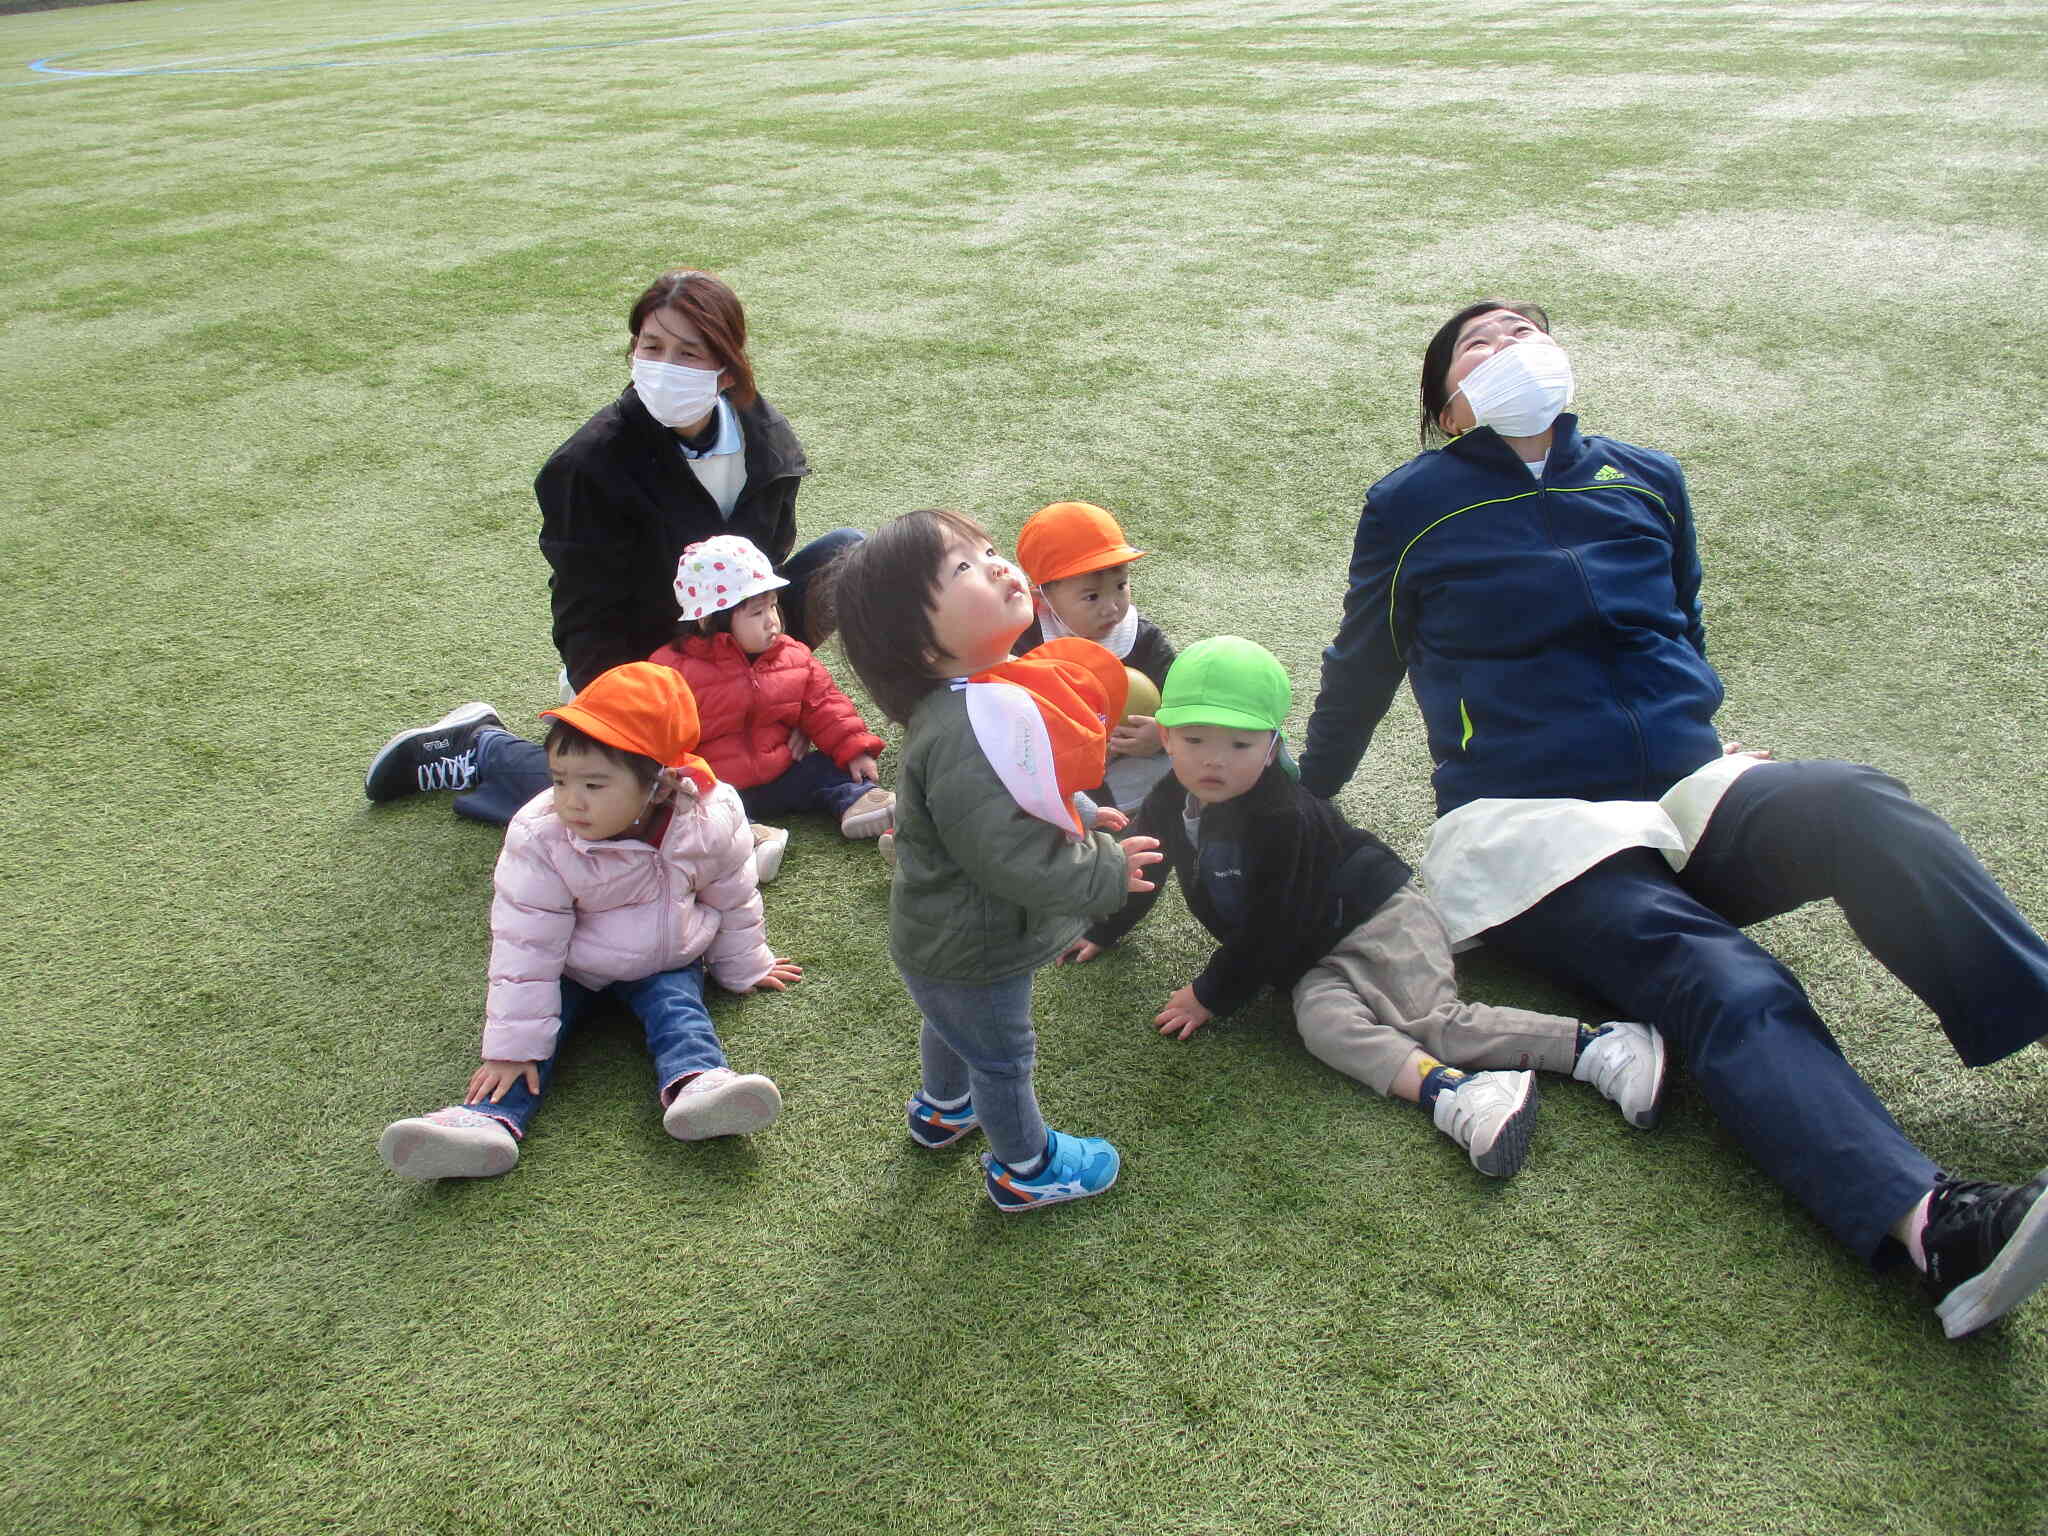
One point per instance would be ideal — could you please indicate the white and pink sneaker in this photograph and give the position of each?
(722, 1102)
(451, 1143)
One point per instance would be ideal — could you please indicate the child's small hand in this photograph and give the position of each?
(1138, 736)
(862, 769)
(490, 1082)
(1138, 852)
(1183, 1014)
(1109, 819)
(1731, 748)
(1080, 952)
(782, 975)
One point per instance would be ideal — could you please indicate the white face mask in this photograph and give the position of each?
(1520, 389)
(674, 395)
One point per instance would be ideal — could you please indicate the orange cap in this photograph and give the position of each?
(1102, 665)
(1071, 538)
(641, 707)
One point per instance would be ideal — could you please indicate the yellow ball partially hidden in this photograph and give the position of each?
(1143, 699)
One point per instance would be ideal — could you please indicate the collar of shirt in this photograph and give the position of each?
(728, 439)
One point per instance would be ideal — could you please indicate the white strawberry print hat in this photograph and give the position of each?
(722, 572)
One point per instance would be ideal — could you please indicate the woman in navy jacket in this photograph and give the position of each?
(1539, 589)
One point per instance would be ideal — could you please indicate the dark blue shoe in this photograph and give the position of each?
(1987, 1249)
(931, 1126)
(429, 757)
(1075, 1168)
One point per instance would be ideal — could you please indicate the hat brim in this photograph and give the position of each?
(1100, 560)
(1211, 714)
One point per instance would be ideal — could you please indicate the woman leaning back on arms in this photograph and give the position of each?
(1539, 588)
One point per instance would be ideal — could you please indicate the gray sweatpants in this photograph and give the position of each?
(1389, 988)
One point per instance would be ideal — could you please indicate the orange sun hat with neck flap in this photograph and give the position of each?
(645, 708)
(1043, 719)
(1071, 538)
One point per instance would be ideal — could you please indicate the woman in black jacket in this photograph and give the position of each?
(688, 450)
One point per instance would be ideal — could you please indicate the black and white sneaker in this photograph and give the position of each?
(428, 757)
(1987, 1249)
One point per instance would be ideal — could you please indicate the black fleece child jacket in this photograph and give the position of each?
(1279, 877)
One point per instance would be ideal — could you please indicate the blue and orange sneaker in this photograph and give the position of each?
(1075, 1168)
(931, 1126)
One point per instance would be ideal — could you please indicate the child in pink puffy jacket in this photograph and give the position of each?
(756, 687)
(633, 874)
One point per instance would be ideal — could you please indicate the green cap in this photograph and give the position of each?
(1229, 682)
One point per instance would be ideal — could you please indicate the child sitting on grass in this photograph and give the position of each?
(1298, 897)
(631, 875)
(1080, 569)
(983, 892)
(754, 686)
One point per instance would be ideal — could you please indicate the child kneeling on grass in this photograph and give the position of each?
(631, 875)
(754, 685)
(1298, 897)
(983, 892)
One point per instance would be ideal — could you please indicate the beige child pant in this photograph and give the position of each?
(1390, 986)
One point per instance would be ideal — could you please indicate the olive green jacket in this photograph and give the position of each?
(982, 890)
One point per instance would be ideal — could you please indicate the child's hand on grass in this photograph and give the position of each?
(489, 1082)
(1138, 852)
(1080, 952)
(1138, 736)
(1731, 748)
(1183, 1014)
(782, 975)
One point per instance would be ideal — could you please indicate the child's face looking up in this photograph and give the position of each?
(982, 606)
(757, 623)
(1215, 763)
(1093, 603)
(595, 797)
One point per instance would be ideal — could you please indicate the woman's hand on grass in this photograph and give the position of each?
(1080, 952)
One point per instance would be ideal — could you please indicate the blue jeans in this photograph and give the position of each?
(670, 1008)
(1667, 948)
(812, 783)
(977, 1038)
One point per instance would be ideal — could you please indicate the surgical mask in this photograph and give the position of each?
(674, 395)
(1520, 389)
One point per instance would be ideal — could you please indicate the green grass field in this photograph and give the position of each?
(295, 299)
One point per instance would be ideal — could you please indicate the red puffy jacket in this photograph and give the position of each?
(747, 706)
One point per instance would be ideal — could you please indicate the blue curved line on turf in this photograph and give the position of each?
(50, 66)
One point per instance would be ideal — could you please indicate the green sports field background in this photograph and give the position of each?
(294, 299)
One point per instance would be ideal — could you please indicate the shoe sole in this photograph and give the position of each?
(867, 823)
(2009, 1279)
(768, 856)
(737, 1108)
(1510, 1149)
(455, 719)
(415, 1151)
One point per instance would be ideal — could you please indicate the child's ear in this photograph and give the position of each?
(1162, 734)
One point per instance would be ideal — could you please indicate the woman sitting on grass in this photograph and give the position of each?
(1539, 589)
(688, 451)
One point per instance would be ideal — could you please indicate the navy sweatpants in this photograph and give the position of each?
(1666, 947)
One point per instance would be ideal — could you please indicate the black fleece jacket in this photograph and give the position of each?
(618, 505)
(1278, 878)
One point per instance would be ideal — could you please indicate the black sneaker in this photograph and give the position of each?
(1987, 1249)
(437, 756)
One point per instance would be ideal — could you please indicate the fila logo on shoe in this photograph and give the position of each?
(1609, 472)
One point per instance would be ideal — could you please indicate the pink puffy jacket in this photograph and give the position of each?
(616, 911)
(747, 705)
